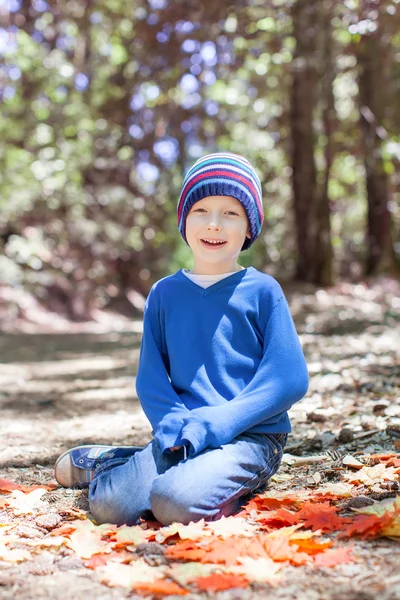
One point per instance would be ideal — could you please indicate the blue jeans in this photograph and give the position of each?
(175, 487)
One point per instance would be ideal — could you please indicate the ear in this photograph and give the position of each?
(248, 234)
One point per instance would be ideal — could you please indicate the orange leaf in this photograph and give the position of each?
(162, 587)
(227, 551)
(270, 503)
(185, 550)
(97, 560)
(310, 546)
(332, 557)
(7, 486)
(280, 550)
(220, 581)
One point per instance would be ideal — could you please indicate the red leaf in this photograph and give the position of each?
(320, 516)
(366, 526)
(220, 581)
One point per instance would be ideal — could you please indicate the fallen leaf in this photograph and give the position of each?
(370, 475)
(260, 570)
(24, 504)
(365, 526)
(336, 490)
(133, 535)
(320, 516)
(227, 526)
(185, 550)
(161, 587)
(186, 572)
(51, 540)
(315, 478)
(333, 557)
(86, 540)
(221, 581)
(14, 556)
(351, 461)
(7, 486)
(118, 575)
(192, 531)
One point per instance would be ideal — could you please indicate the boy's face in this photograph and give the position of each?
(218, 218)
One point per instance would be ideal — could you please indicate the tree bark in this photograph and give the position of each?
(373, 57)
(312, 88)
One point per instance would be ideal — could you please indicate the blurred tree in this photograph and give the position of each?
(374, 60)
(105, 104)
(312, 81)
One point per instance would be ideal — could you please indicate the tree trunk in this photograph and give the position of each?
(373, 81)
(313, 76)
(323, 254)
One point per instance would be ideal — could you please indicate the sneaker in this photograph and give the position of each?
(75, 467)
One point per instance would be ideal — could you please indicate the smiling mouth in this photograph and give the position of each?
(214, 245)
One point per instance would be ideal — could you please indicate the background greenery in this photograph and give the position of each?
(105, 104)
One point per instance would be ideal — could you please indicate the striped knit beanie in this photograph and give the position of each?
(223, 174)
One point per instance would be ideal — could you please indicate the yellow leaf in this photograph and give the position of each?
(14, 556)
(51, 540)
(340, 489)
(24, 504)
(116, 574)
(132, 535)
(380, 508)
(86, 540)
(258, 569)
(227, 526)
(193, 531)
(183, 573)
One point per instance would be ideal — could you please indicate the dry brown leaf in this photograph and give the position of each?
(370, 475)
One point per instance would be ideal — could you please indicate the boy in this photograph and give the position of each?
(220, 365)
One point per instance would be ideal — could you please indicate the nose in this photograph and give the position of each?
(213, 223)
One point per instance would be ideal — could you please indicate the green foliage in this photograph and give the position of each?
(105, 108)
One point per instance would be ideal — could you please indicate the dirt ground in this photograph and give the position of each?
(76, 386)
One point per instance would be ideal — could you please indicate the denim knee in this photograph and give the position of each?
(169, 504)
(108, 507)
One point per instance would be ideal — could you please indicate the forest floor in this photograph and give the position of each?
(75, 385)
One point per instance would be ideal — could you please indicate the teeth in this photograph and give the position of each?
(213, 241)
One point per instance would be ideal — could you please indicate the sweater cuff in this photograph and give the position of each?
(194, 436)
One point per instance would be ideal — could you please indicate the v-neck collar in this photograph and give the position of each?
(208, 290)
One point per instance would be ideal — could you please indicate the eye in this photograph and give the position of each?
(232, 212)
(197, 209)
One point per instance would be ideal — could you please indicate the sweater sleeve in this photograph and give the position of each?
(280, 380)
(158, 399)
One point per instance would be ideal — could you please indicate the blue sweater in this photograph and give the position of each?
(219, 361)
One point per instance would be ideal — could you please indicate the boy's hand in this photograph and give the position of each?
(175, 448)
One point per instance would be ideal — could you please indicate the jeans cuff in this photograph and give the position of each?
(109, 464)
